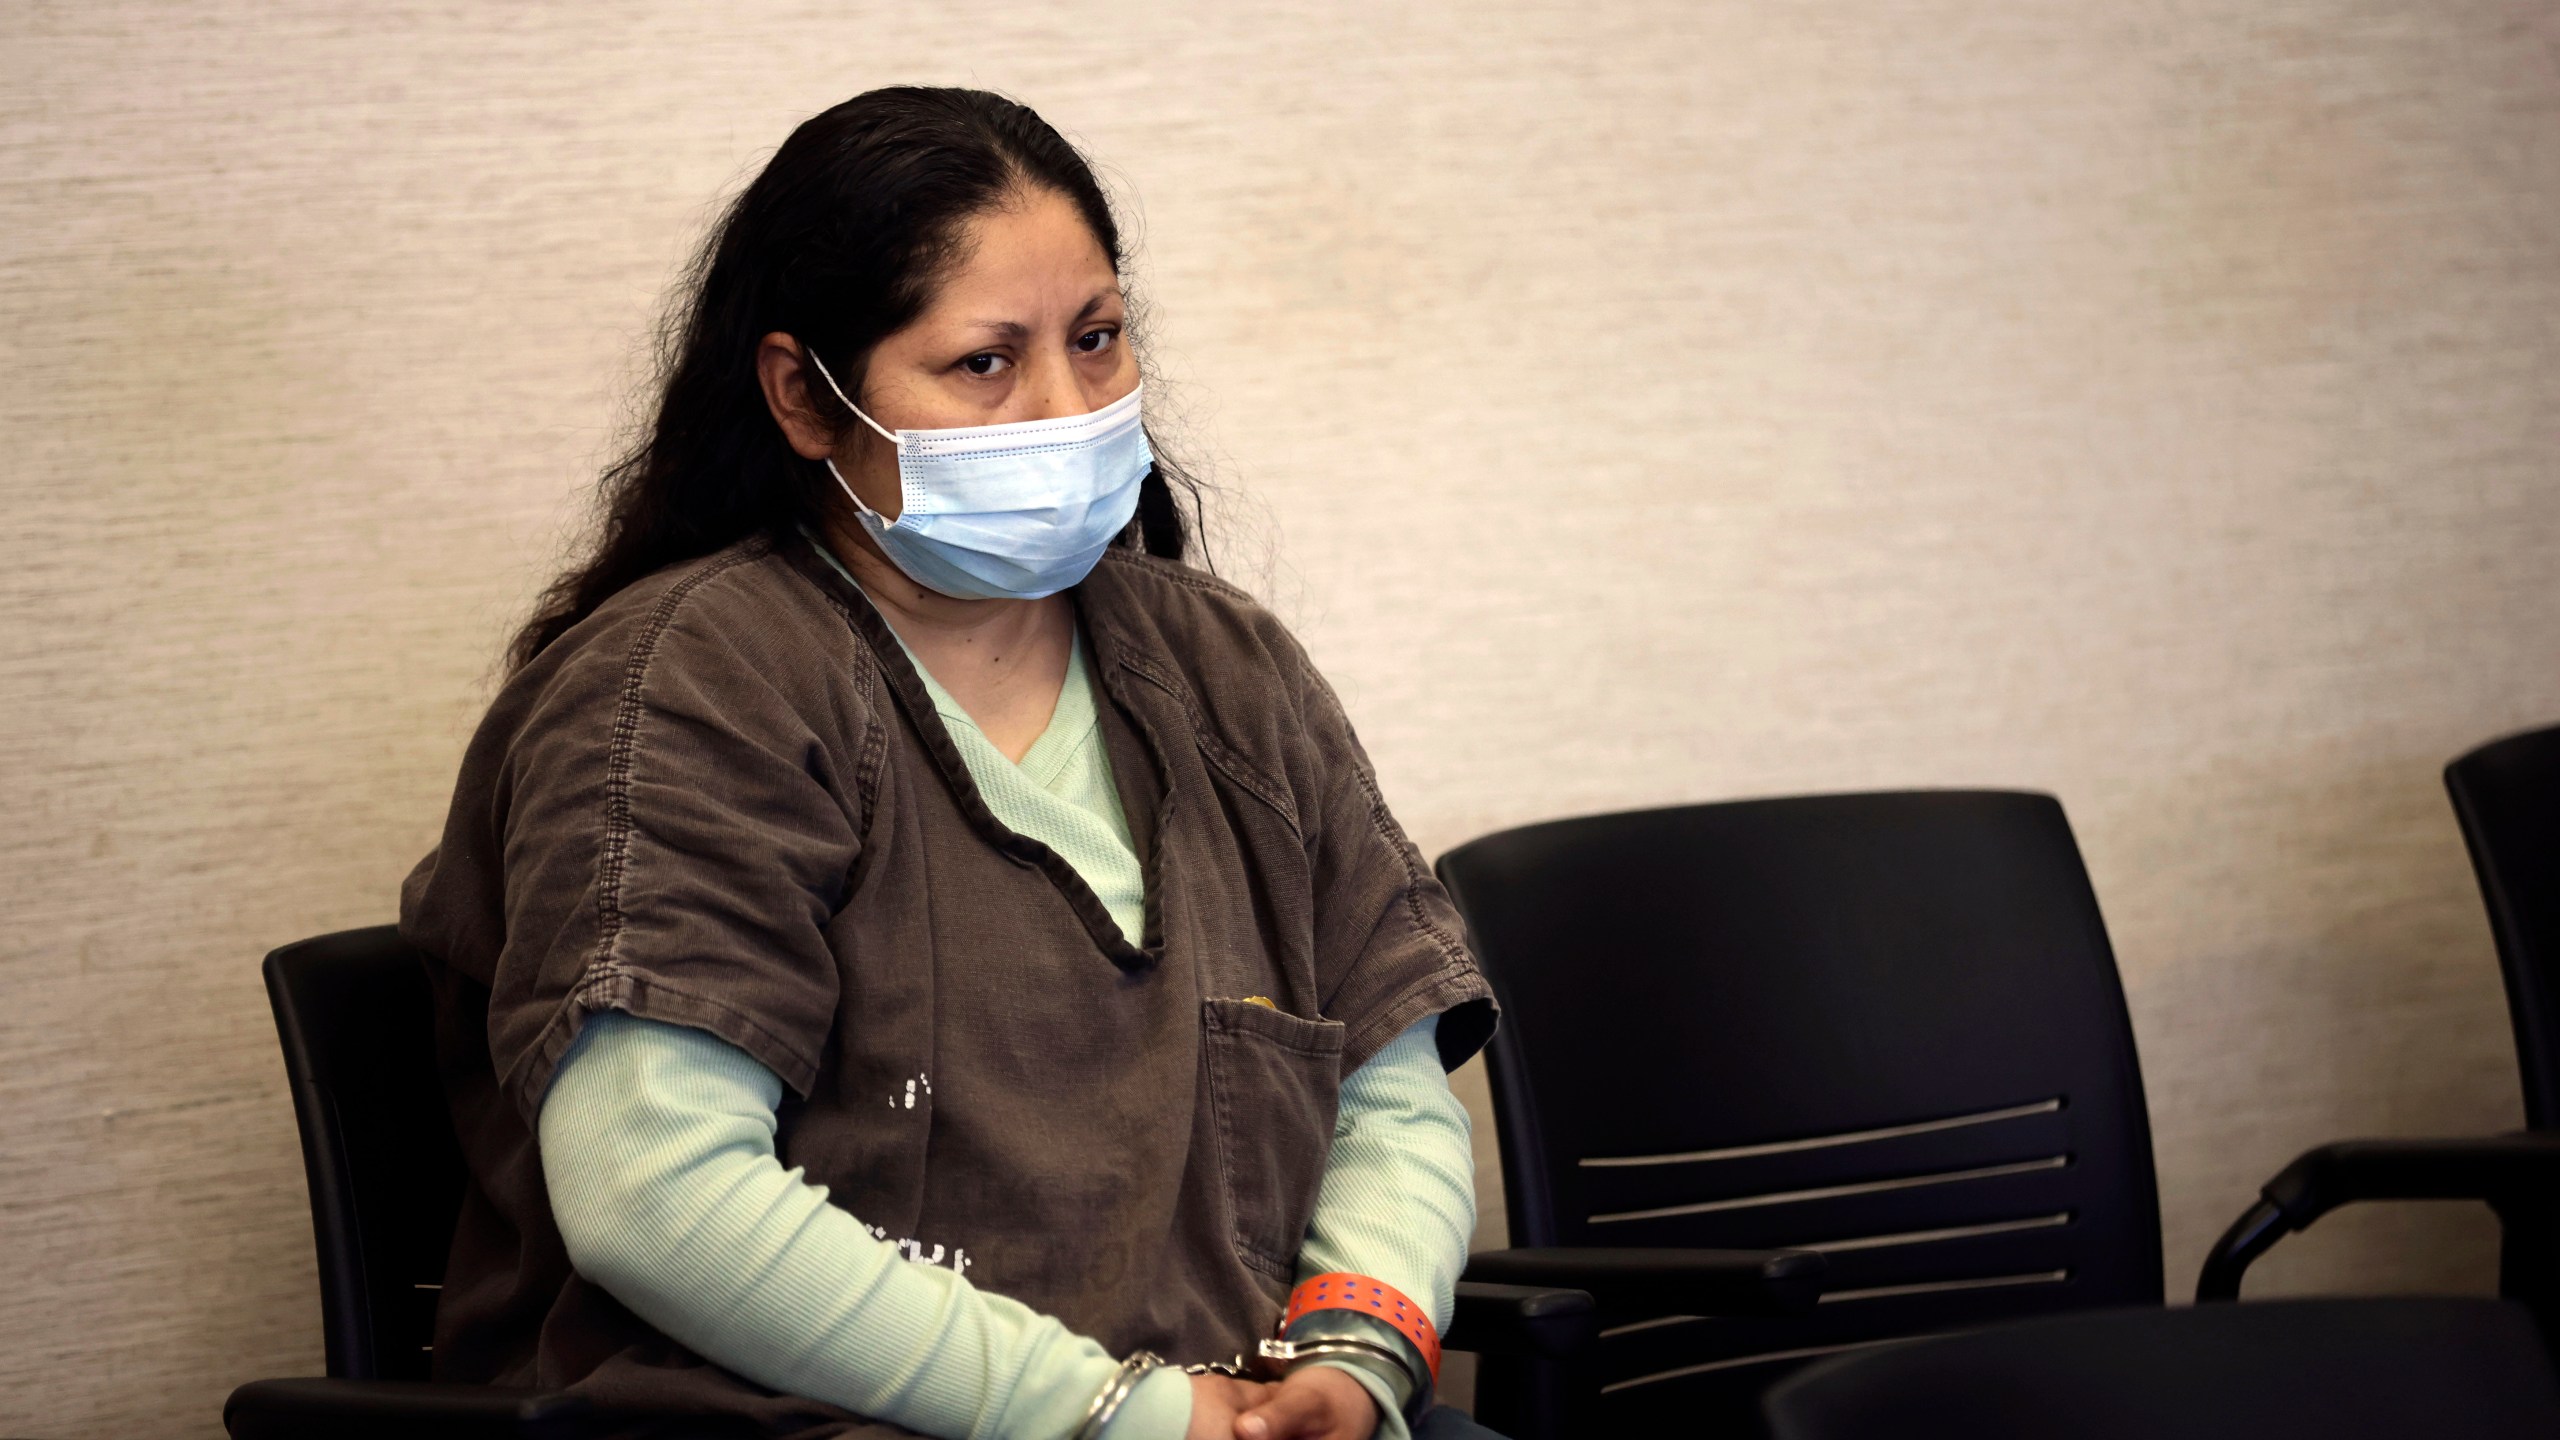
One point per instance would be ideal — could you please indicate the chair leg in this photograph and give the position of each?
(2529, 1265)
(1527, 1399)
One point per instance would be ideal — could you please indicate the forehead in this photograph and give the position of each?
(1034, 251)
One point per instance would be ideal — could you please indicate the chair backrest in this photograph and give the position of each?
(2507, 796)
(2337, 1369)
(1886, 1027)
(354, 1014)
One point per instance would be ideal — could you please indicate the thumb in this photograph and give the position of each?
(1291, 1410)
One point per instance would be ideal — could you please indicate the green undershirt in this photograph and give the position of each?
(1060, 792)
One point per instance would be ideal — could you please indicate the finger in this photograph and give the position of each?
(1291, 1410)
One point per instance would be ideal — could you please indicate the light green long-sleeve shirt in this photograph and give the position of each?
(658, 1148)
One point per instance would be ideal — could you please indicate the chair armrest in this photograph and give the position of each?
(1690, 1282)
(1521, 1320)
(2503, 1170)
(319, 1409)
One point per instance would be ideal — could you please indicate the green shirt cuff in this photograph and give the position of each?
(1159, 1409)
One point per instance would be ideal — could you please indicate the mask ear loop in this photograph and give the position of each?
(866, 511)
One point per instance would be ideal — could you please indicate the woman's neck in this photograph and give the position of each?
(1004, 661)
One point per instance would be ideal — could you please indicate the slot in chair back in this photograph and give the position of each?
(2507, 796)
(1884, 1027)
(355, 1017)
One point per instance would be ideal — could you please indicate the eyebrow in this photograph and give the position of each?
(1016, 330)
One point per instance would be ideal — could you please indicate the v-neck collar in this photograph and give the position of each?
(1072, 716)
(908, 684)
(1071, 722)
(1071, 719)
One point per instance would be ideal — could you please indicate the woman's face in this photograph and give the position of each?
(1027, 325)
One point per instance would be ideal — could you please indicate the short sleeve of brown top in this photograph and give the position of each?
(725, 801)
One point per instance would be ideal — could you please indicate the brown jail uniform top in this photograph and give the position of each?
(724, 800)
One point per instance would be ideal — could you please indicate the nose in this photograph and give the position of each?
(1052, 390)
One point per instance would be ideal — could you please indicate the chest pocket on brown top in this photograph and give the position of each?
(1274, 1080)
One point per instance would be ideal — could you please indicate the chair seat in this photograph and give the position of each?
(314, 1408)
(2377, 1369)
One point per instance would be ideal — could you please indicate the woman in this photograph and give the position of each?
(909, 949)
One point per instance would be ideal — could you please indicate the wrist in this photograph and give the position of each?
(1159, 1409)
(1384, 1398)
(1366, 1327)
(1361, 1346)
(1120, 1388)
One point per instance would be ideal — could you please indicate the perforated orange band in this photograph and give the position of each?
(1375, 1299)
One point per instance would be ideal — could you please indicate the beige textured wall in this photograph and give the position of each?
(1631, 402)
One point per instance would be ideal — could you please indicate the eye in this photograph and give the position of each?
(1096, 341)
(986, 362)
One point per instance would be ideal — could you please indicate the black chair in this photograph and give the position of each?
(354, 1014)
(1886, 1029)
(2355, 1369)
(386, 1180)
(2506, 795)
(2403, 1369)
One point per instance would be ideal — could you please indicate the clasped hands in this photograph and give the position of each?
(1314, 1402)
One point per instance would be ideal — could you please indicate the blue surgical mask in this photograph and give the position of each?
(1007, 512)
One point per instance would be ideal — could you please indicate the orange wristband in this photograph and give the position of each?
(1363, 1296)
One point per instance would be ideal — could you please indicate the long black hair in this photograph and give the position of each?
(838, 243)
